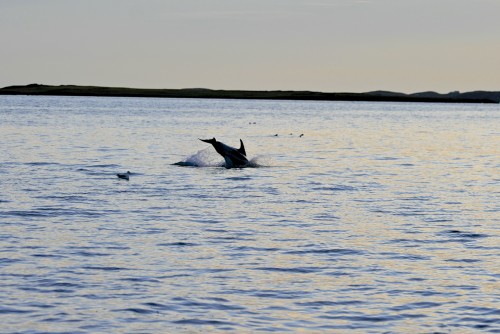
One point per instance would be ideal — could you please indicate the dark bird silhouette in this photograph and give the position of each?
(124, 176)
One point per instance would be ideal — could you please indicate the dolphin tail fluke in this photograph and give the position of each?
(242, 148)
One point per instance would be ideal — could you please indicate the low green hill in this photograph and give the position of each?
(72, 90)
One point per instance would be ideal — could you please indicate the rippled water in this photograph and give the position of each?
(382, 218)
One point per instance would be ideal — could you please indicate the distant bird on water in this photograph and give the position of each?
(124, 176)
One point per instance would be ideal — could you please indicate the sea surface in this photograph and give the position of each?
(380, 218)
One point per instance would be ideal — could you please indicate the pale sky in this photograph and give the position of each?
(321, 45)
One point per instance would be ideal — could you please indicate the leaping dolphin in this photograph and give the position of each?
(233, 157)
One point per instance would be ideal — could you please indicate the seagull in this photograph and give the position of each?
(124, 176)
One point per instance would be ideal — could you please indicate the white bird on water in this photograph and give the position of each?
(124, 176)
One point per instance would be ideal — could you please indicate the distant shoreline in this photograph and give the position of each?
(376, 96)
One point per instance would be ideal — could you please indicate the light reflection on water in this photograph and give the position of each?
(383, 217)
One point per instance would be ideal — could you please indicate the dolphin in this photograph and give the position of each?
(233, 157)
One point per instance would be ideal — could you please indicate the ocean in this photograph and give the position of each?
(355, 217)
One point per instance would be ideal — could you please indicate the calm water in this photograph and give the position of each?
(382, 218)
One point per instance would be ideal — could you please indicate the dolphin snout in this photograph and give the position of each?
(210, 141)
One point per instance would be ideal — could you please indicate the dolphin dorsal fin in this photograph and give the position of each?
(242, 148)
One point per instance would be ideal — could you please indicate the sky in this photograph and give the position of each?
(319, 45)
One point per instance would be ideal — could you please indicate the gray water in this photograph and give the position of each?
(381, 218)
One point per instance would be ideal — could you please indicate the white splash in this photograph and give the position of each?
(209, 158)
(204, 158)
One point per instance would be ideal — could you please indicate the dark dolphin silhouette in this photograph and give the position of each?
(235, 158)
